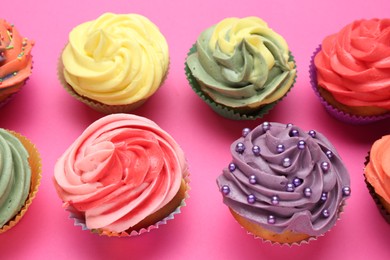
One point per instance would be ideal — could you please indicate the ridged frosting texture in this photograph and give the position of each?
(121, 169)
(15, 58)
(15, 176)
(377, 170)
(354, 64)
(242, 63)
(285, 179)
(117, 59)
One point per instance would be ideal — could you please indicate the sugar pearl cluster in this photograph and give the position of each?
(286, 162)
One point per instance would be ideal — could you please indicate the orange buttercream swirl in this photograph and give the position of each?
(15, 58)
(119, 171)
(377, 170)
(354, 64)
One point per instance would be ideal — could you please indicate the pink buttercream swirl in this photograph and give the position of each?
(354, 64)
(120, 170)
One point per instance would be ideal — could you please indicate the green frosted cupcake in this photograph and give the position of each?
(240, 67)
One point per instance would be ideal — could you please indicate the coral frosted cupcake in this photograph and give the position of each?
(20, 171)
(114, 63)
(122, 176)
(15, 60)
(284, 185)
(377, 175)
(350, 72)
(240, 67)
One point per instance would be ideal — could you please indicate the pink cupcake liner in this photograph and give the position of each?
(336, 113)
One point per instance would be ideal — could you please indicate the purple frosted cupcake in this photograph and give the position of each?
(284, 185)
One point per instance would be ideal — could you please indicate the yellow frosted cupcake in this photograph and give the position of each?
(20, 171)
(114, 63)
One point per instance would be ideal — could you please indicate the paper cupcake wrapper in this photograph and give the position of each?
(385, 214)
(333, 111)
(35, 165)
(226, 111)
(79, 219)
(5, 98)
(297, 243)
(98, 106)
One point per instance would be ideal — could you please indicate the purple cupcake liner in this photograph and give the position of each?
(336, 113)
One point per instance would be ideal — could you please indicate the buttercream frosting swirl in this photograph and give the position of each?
(377, 170)
(15, 59)
(15, 176)
(117, 59)
(121, 169)
(242, 63)
(354, 64)
(285, 179)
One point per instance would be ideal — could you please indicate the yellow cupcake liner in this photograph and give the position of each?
(36, 169)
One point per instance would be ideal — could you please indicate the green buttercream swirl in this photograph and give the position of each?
(242, 63)
(15, 176)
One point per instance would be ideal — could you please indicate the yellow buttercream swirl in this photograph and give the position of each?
(116, 59)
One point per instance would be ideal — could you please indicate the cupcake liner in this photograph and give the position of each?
(333, 111)
(385, 214)
(297, 243)
(35, 165)
(79, 219)
(98, 106)
(226, 111)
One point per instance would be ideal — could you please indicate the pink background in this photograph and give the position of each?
(46, 114)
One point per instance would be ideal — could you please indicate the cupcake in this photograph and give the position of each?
(284, 185)
(377, 175)
(20, 171)
(114, 63)
(240, 67)
(350, 72)
(15, 60)
(122, 176)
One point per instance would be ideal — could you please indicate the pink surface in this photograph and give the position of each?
(47, 115)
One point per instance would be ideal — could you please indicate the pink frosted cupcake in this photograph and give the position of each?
(123, 176)
(350, 72)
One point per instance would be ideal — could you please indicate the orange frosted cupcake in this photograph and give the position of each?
(377, 175)
(20, 171)
(350, 72)
(15, 60)
(123, 176)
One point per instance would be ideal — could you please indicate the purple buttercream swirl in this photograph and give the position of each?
(296, 180)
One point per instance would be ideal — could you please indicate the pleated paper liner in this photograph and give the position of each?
(227, 112)
(98, 106)
(270, 237)
(35, 165)
(147, 226)
(333, 111)
(379, 201)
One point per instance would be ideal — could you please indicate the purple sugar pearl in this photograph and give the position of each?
(252, 179)
(251, 199)
(245, 132)
(240, 148)
(225, 190)
(266, 126)
(307, 192)
(232, 167)
(346, 191)
(256, 150)
(312, 133)
(271, 219)
(329, 153)
(275, 200)
(324, 196)
(297, 182)
(289, 125)
(325, 166)
(301, 145)
(294, 132)
(325, 213)
(286, 162)
(280, 148)
(290, 187)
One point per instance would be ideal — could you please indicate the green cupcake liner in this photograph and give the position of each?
(225, 111)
